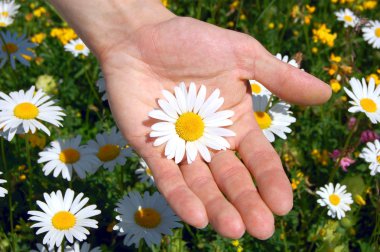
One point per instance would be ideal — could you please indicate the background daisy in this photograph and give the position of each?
(64, 217)
(371, 154)
(8, 8)
(371, 33)
(21, 112)
(101, 84)
(145, 218)
(191, 123)
(15, 48)
(111, 149)
(258, 89)
(144, 173)
(3, 191)
(285, 59)
(84, 248)
(335, 199)
(365, 99)
(348, 17)
(76, 47)
(5, 21)
(275, 121)
(65, 155)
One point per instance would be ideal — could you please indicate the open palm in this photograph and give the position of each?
(221, 192)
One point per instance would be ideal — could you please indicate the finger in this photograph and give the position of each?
(265, 165)
(171, 184)
(236, 183)
(223, 216)
(285, 81)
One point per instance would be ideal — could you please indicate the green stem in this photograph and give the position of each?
(141, 245)
(283, 231)
(10, 203)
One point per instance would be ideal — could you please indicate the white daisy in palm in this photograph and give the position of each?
(191, 123)
(84, 248)
(335, 199)
(371, 33)
(348, 17)
(258, 89)
(365, 98)
(62, 156)
(76, 47)
(276, 120)
(101, 84)
(3, 191)
(8, 8)
(285, 59)
(5, 21)
(64, 217)
(145, 218)
(144, 173)
(371, 154)
(15, 48)
(21, 112)
(111, 149)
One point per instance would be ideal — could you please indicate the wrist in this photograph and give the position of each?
(102, 24)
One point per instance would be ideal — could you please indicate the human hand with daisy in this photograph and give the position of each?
(144, 49)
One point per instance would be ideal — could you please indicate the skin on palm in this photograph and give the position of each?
(158, 55)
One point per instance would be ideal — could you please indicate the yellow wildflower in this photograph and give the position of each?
(333, 69)
(243, 17)
(22, 177)
(324, 35)
(310, 9)
(240, 249)
(38, 38)
(369, 5)
(235, 243)
(375, 77)
(346, 69)
(63, 34)
(230, 24)
(39, 12)
(271, 25)
(314, 50)
(335, 58)
(21, 167)
(165, 3)
(335, 85)
(234, 4)
(29, 17)
(295, 11)
(280, 26)
(359, 200)
(343, 98)
(307, 19)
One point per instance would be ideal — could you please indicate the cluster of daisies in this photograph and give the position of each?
(65, 218)
(370, 29)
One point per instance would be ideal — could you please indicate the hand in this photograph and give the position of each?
(161, 55)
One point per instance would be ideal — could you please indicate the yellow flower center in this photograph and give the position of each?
(378, 159)
(2, 24)
(148, 171)
(255, 88)
(63, 220)
(377, 32)
(79, 47)
(69, 156)
(5, 13)
(147, 217)
(108, 152)
(368, 105)
(26, 111)
(10, 48)
(348, 18)
(334, 199)
(263, 119)
(190, 126)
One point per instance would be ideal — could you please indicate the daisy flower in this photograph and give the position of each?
(3, 191)
(285, 59)
(101, 84)
(110, 149)
(15, 48)
(8, 8)
(85, 248)
(145, 218)
(274, 121)
(21, 112)
(42, 248)
(76, 47)
(64, 216)
(348, 17)
(63, 156)
(258, 89)
(365, 98)
(5, 21)
(371, 33)
(144, 173)
(191, 123)
(335, 199)
(371, 154)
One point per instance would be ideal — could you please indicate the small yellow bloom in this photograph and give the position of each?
(314, 50)
(29, 17)
(324, 35)
(165, 3)
(234, 4)
(307, 19)
(369, 5)
(310, 9)
(375, 77)
(22, 177)
(230, 24)
(21, 167)
(295, 11)
(280, 26)
(346, 69)
(38, 38)
(39, 12)
(243, 17)
(343, 98)
(240, 249)
(335, 85)
(333, 69)
(271, 25)
(235, 243)
(359, 200)
(39, 60)
(335, 58)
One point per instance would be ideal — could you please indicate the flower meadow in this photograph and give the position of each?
(69, 181)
